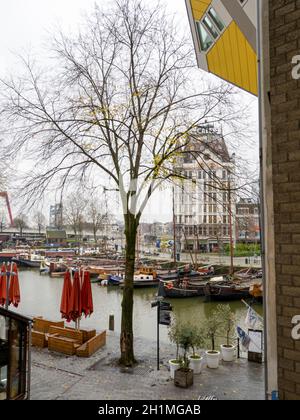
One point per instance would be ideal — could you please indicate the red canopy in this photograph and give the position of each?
(14, 289)
(86, 295)
(3, 285)
(66, 297)
(75, 300)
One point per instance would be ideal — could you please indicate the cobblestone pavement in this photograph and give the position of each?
(59, 377)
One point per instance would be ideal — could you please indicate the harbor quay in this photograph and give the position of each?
(59, 377)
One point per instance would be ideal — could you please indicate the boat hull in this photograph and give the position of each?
(189, 291)
(26, 263)
(222, 293)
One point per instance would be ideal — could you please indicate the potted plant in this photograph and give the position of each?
(197, 342)
(212, 326)
(184, 375)
(227, 350)
(173, 333)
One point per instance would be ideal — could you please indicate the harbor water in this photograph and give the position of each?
(41, 296)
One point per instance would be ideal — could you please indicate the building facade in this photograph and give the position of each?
(204, 201)
(247, 221)
(281, 55)
(56, 216)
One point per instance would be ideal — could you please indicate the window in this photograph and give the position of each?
(216, 19)
(206, 40)
(210, 27)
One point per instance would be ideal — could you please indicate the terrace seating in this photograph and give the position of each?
(66, 340)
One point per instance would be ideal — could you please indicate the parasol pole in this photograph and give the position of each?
(81, 277)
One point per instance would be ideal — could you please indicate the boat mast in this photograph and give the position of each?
(174, 228)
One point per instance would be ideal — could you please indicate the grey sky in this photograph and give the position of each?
(24, 26)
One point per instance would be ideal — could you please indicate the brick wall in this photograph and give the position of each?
(285, 114)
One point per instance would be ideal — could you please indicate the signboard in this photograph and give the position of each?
(255, 350)
(164, 317)
(164, 313)
(224, 35)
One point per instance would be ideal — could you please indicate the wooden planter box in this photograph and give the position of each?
(63, 345)
(87, 333)
(38, 339)
(67, 333)
(184, 378)
(92, 345)
(42, 325)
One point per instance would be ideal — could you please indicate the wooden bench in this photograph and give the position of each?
(43, 325)
(38, 339)
(66, 333)
(62, 344)
(92, 345)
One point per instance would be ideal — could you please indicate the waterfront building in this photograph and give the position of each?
(247, 221)
(203, 197)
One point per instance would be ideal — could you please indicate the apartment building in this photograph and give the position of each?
(203, 195)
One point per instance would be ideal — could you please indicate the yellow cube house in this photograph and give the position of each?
(224, 35)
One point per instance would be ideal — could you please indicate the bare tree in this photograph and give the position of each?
(118, 101)
(97, 216)
(39, 220)
(20, 222)
(74, 211)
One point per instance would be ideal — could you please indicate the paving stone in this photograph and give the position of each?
(55, 376)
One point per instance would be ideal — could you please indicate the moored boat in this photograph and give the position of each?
(142, 280)
(176, 274)
(225, 292)
(186, 287)
(28, 260)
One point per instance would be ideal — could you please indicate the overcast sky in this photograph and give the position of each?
(26, 24)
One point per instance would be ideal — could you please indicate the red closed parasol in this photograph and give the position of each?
(86, 295)
(66, 297)
(3, 285)
(75, 300)
(14, 288)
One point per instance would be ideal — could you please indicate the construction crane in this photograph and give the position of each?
(5, 196)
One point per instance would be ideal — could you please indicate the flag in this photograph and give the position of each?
(251, 318)
(244, 337)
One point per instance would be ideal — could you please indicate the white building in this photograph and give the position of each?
(204, 197)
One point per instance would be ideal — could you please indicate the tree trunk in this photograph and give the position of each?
(126, 338)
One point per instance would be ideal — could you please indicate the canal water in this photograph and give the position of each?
(41, 295)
